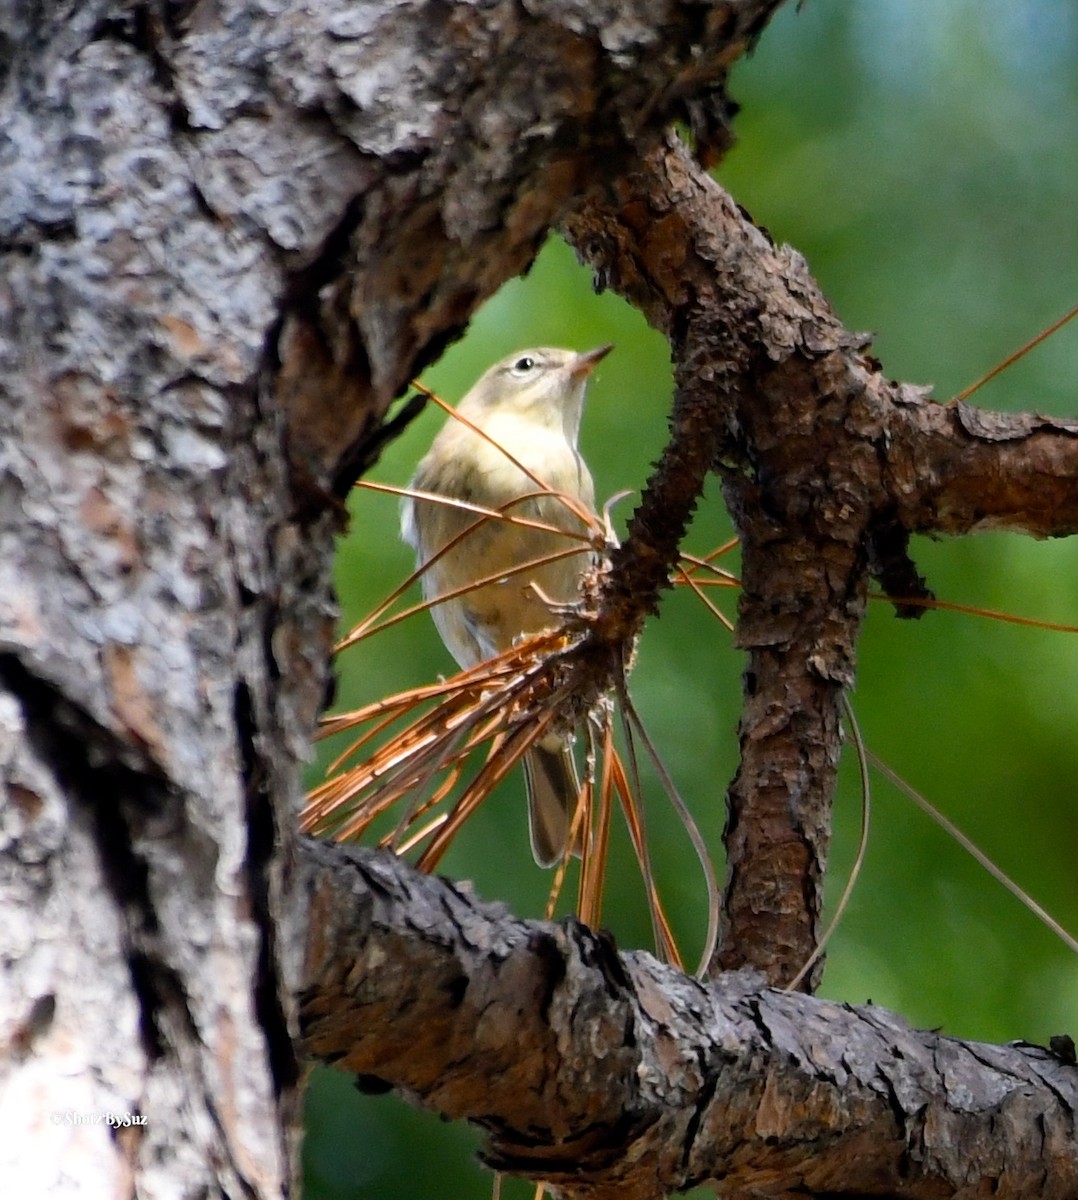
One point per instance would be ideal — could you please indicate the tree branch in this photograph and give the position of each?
(607, 1074)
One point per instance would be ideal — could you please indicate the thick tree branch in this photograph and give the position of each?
(960, 469)
(608, 1074)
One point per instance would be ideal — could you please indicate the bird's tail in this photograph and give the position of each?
(552, 784)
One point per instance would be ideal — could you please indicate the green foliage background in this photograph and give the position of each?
(923, 156)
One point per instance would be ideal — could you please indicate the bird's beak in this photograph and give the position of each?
(585, 363)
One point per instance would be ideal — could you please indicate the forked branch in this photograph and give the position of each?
(823, 462)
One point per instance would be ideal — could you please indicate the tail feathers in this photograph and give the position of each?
(552, 785)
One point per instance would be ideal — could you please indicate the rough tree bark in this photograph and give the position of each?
(610, 1075)
(231, 233)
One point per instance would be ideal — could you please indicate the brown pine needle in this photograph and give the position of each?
(360, 631)
(481, 510)
(523, 568)
(715, 611)
(593, 867)
(721, 579)
(1021, 352)
(493, 771)
(418, 836)
(714, 900)
(450, 757)
(405, 702)
(579, 835)
(452, 778)
(718, 552)
(665, 942)
(973, 610)
(473, 705)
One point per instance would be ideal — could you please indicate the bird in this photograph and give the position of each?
(529, 406)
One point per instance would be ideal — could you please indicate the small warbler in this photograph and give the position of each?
(529, 405)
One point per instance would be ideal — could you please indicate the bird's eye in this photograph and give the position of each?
(523, 365)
